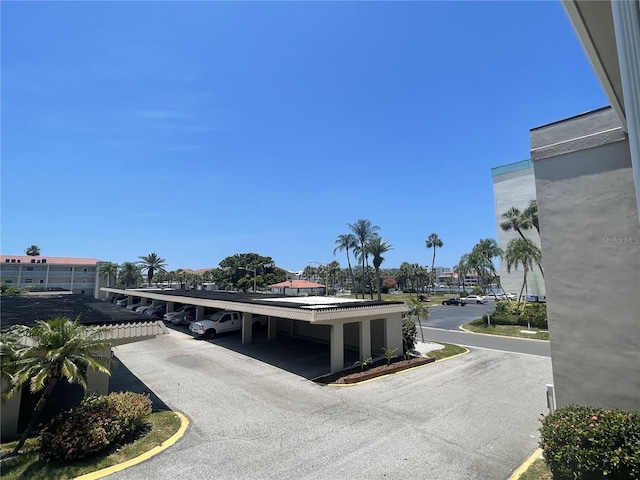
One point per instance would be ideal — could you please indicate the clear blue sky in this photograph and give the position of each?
(199, 130)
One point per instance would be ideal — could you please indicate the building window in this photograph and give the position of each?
(41, 280)
(28, 280)
(30, 269)
(8, 281)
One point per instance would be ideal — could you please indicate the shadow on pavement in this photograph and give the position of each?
(123, 380)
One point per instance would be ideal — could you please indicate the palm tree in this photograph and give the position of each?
(129, 274)
(531, 213)
(376, 247)
(433, 241)
(481, 259)
(152, 263)
(32, 251)
(462, 269)
(420, 310)
(363, 230)
(109, 269)
(61, 349)
(514, 220)
(346, 242)
(525, 253)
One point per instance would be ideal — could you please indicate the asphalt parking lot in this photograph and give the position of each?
(471, 417)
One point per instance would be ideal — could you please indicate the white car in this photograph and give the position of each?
(183, 315)
(476, 299)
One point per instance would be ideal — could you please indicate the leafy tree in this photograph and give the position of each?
(433, 241)
(62, 349)
(519, 221)
(481, 260)
(419, 310)
(347, 242)
(230, 272)
(389, 283)
(109, 269)
(32, 251)
(522, 252)
(376, 247)
(151, 264)
(129, 275)
(363, 230)
(531, 214)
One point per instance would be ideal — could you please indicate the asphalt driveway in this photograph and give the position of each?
(472, 417)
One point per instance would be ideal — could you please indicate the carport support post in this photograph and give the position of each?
(365, 339)
(247, 320)
(393, 332)
(169, 307)
(199, 313)
(337, 347)
(272, 328)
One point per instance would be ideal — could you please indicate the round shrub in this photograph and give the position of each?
(589, 443)
(95, 424)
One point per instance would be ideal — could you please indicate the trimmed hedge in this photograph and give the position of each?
(510, 313)
(589, 443)
(95, 424)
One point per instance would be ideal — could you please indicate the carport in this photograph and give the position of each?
(365, 326)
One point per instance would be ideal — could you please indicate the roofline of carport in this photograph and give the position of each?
(320, 315)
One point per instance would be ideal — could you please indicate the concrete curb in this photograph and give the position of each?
(184, 423)
(342, 385)
(503, 336)
(525, 466)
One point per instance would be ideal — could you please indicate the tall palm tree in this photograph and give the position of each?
(433, 241)
(109, 269)
(363, 230)
(32, 251)
(62, 349)
(152, 263)
(531, 213)
(420, 310)
(346, 242)
(514, 220)
(481, 258)
(462, 269)
(129, 274)
(525, 253)
(376, 247)
(333, 269)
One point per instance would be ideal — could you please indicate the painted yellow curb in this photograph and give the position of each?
(184, 423)
(397, 373)
(525, 466)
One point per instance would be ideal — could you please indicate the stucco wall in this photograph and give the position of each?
(591, 247)
(516, 189)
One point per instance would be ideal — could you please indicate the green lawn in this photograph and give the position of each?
(449, 350)
(27, 465)
(537, 471)
(506, 330)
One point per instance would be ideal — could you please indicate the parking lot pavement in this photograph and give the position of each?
(472, 417)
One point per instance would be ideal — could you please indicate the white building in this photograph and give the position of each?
(514, 185)
(79, 275)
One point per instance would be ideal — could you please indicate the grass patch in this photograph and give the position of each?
(27, 465)
(477, 326)
(449, 350)
(537, 471)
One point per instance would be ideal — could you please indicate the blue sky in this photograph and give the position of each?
(197, 130)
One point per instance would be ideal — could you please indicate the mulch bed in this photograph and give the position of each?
(376, 369)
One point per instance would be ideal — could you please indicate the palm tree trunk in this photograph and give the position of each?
(432, 277)
(36, 414)
(370, 283)
(364, 285)
(379, 284)
(353, 278)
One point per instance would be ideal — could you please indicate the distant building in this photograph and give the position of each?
(514, 185)
(297, 287)
(79, 275)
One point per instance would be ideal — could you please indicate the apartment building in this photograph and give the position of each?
(79, 275)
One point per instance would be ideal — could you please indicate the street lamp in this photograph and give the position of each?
(254, 275)
(325, 269)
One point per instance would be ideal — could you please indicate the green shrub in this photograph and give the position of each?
(477, 291)
(589, 443)
(95, 424)
(514, 313)
(6, 289)
(409, 332)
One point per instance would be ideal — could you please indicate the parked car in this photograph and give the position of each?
(476, 299)
(182, 315)
(132, 306)
(122, 302)
(220, 322)
(157, 311)
(455, 301)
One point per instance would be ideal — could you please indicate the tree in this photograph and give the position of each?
(514, 220)
(110, 270)
(376, 247)
(347, 242)
(433, 241)
(129, 275)
(363, 230)
(531, 214)
(481, 260)
(419, 310)
(152, 263)
(62, 349)
(32, 251)
(462, 269)
(231, 269)
(522, 252)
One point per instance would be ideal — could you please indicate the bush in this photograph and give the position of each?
(589, 443)
(95, 424)
(511, 313)
(409, 332)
